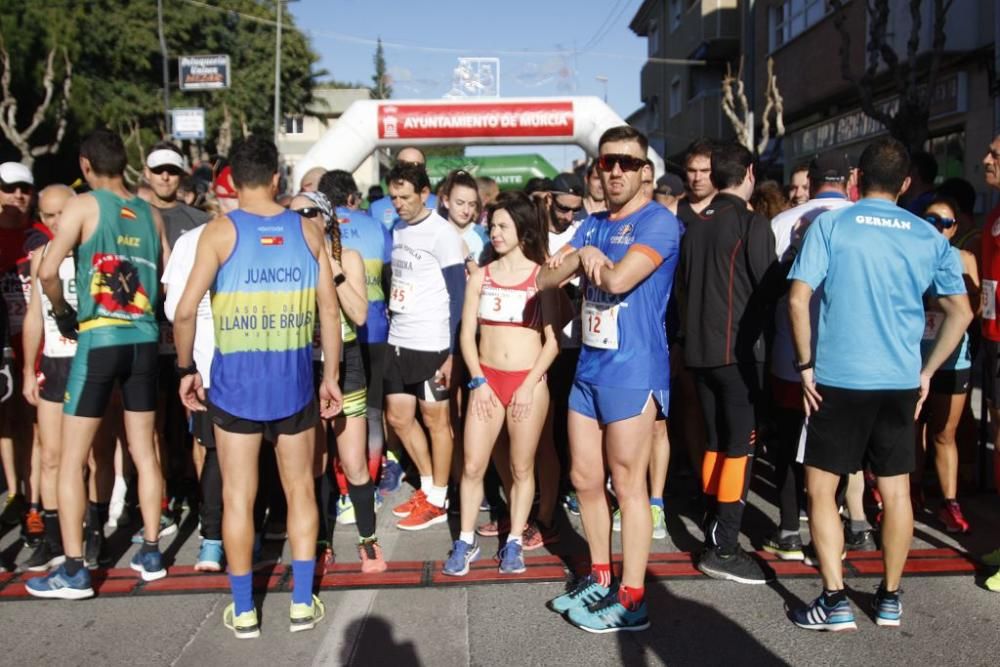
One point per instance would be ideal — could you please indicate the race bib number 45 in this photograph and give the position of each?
(600, 325)
(401, 296)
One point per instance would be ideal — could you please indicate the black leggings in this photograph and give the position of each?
(789, 476)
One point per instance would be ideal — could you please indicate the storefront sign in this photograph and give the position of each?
(203, 72)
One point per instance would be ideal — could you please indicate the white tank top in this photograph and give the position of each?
(55, 345)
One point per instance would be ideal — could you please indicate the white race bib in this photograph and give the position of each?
(989, 299)
(502, 305)
(600, 325)
(932, 324)
(400, 296)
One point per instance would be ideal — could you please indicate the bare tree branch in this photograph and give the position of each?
(21, 139)
(732, 88)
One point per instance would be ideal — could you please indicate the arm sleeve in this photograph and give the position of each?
(454, 280)
(813, 260)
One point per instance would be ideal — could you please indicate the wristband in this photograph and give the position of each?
(476, 382)
(802, 367)
(339, 279)
(183, 371)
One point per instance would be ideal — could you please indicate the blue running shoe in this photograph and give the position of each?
(571, 503)
(392, 476)
(512, 558)
(609, 615)
(462, 554)
(58, 584)
(210, 556)
(818, 616)
(149, 565)
(888, 608)
(585, 591)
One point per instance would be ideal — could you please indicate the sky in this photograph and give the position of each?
(545, 47)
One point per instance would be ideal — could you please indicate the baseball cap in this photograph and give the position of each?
(15, 172)
(223, 185)
(669, 184)
(164, 157)
(567, 184)
(832, 166)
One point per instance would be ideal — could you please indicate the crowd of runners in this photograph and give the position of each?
(282, 361)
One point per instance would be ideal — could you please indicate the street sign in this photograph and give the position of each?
(188, 123)
(203, 72)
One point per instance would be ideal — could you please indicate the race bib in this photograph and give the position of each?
(401, 296)
(502, 305)
(600, 325)
(167, 339)
(989, 299)
(932, 324)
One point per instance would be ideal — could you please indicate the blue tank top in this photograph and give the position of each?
(961, 358)
(360, 232)
(264, 308)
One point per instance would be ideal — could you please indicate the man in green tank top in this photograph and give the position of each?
(118, 239)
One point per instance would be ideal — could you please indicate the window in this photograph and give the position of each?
(293, 124)
(675, 11)
(654, 37)
(676, 102)
(792, 17)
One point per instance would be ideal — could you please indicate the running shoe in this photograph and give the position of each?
(992, 558)
(379, 501)
(306, 616)
(585, 591)
(538, 535)
(803, 516)
(244, 626)
(811, 558)
(58, 584)
(616, 521)
(609, 615)
(485, 506)
(43, 558)
(659, 522)
(571, 503)
(423, 516)
(392, 475)
(863, 540)
(345, 512)
(738, 567)
(461, 556)
(167, 528)
(888, 609)
(512, 559)
(370, 553)
(403, 509)
(818, 616)
(493, 527)
(210, 556)
(993, 583)
(13, 510)
(950, 514)
(95, 554)
(149, 565)
(787, 548)
(34, 527)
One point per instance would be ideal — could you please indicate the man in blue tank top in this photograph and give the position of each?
(261, 264)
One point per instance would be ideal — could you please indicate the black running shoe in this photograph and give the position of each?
(788, 548)
(94, 553)
(738, 567)
(43, 558)
(863, 540)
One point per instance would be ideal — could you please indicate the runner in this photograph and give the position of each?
(594, 201)
(384, 210)
(627, 257)
(262, 258)
(460, 200)
(875, 261)
(516, 345)
(798, 185)
(118, 239)
(428, 278)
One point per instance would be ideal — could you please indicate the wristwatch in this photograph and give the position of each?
(339, 279)
(476, 382)
(802, 367)
(183, 371)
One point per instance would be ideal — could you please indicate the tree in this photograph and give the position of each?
(23, 138)
(382, 88)
(909, 122)
(737, 109)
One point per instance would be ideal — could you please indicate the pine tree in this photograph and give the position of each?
(382, 88)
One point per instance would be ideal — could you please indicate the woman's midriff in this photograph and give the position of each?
(509, 348)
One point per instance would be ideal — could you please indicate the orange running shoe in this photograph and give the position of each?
(33, 524)
(370, 553)
(403, 510)
(423, 515)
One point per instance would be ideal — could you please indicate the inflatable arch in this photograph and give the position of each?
(371, 124)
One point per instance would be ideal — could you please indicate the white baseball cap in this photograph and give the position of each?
(15, 172)
(164, 157)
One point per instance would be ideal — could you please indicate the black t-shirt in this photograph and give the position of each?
(181, 218)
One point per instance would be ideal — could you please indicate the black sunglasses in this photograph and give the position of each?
(940, 221)
(11, 188)
(608, 161)
(566, 209)
(173, 171)
(309, 211)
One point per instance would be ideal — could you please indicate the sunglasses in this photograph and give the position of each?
(940, 221)
(173, 171)
(308, 212)
(11, 188)
(566, 209)
(626, 162)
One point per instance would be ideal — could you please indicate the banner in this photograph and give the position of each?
(489, 119)
(203, 72)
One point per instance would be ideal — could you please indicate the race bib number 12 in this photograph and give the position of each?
(600, 325)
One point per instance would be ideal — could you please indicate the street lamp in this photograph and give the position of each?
(277, 72)
(604, 80)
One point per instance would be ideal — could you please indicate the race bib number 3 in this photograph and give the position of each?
(401, 296)
(932, 324)
(502, 305)
(989, 299)
(600, 325)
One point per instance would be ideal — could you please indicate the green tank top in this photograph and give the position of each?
(118, 273)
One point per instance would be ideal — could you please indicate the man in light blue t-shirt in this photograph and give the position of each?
(862, 391)
(382, 209)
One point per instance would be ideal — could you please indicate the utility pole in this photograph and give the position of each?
(166, 69)
(277, 75)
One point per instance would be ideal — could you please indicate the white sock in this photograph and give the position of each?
(426, 483)
(437, 495)
(514, 539)
(468, 537)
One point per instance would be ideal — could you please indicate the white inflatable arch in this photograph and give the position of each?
(371, 124)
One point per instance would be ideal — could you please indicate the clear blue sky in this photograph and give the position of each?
(546, 47)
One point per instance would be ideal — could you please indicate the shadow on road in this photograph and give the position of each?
(375, 645)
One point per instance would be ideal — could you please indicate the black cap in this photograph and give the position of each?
(829, 167)
(567, 184)
(670, 184)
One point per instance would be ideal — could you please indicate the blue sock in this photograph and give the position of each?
(242, 587)
(656, 501)
(302, 581)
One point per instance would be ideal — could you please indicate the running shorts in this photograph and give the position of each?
(414, 372)
(52, 378)
(612, 404)
(95, 370)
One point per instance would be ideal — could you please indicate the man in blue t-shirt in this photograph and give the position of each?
(382, 209)
(865, 386)
(627, 257)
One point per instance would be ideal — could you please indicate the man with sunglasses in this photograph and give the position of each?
(383, 209)
(165, 168)
(627, 257)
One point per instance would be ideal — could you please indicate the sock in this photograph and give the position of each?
(34, 507)
(858, 526)
(52, 534)
(656, 501)
(786, 534)
(631, 598)
(374, 467)
(93, 518)
(949, 501)
(363, 497)
(164, 505)
(514, 539)
(601, 572)
(149, 547)
(831, 598)
(426, 483)
(436, 495)
(886, 593)
(302, 581)
(73, 565)
(468, 537)
(242, 587)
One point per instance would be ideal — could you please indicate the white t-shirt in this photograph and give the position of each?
(789, 229)
(418, 298)
(175, 277)
(55, 345)
(572, 332)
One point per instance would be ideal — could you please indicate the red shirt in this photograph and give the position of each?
(991, 274)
